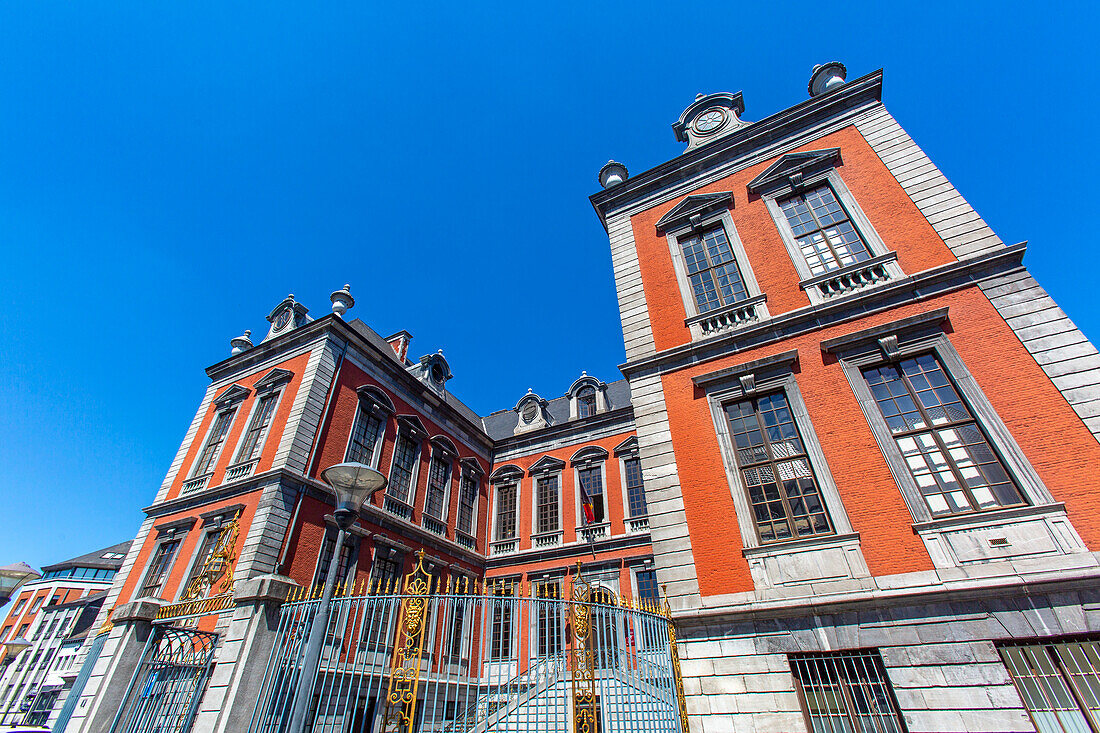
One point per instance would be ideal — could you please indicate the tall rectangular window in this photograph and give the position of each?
(405, 455)
(591, 480)
(652, 634)
(159, 567)
(549, 617)
(466, 500)
(500, 642)
(824, 232)
(214, 441)
(786, 501)
(846, 691)
(586, 402)
(439, 477)
(345, 564)
(506, 511)
(546, 504)
(457, 647)
(635, 489)
(209, 542)
(945, 450)
(715, 279)
(1059, 683)
(364, 436)
(385, 575)
(253, 441)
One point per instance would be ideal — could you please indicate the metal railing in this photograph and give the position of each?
(422, 656)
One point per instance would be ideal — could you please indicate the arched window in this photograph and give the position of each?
(586, 402)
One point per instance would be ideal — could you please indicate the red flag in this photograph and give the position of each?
(586, 505)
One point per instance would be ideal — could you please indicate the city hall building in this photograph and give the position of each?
(847, 481)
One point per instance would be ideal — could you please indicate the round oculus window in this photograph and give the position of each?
(529, 411)
(710, 120)
(282, 319)
(439, 374)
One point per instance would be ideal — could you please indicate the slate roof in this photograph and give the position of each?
(502, 424)
(93, 559)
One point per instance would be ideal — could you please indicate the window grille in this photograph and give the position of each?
(404, 463)
(467, 498)
(635, 489)
(846, 691)
(652, 636)
(209, 542)
(546, 489)
(715, 279)
(1059, 683)
(345, 562)
(824, 232)
(785, 498)
(549, 618)
(506, 511)
(158, 568)
(500, 645)
(257, 429)
(439, 475)
(592, 482)
(205, 464)
(947, 454)
(459, 624)
(364, 436)
(586, 402)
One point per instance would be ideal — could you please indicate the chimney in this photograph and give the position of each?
(400, 343)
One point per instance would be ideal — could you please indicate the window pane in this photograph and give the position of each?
(546, 508)
(404, 463)
(586, 402)
(591, 480)
(824, 233)
(205, 464)
(846, 691)
(500, 646)
(439, 476)
(549, 610)
(257, 429)
(715, 278)
(1046, 676)
(466, 501)
(364, 437)
(159, 567)
(506, 511)
(635, 490)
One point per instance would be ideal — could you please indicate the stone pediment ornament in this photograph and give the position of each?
(628, 446)
(275, 377)
(233, 393)
(694, 208)
(506, 472)
(793, 167)
(546, 464)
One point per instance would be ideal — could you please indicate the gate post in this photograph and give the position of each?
(242, 659)
(132, 626)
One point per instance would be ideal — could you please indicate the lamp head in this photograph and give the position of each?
(354, 484)
(13, 576)
(12, 647)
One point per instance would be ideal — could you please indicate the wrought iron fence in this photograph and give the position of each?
(419, 656)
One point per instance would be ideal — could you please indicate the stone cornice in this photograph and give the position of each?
(853, 96)
(911, 289)
(578, 426)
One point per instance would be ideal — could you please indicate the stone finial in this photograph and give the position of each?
(826, 77)
(612, 174)
(240, 344)
(342, 300)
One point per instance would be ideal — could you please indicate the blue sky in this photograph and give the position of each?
(170, 171)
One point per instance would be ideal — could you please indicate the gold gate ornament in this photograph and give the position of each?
(582, 657)
(405, 669)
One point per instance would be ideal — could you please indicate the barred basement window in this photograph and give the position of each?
(546, 492)
(405, 455)
(586, 402)
(946, 451)
(846, 691)
(1059, 683)
(635, 490)
(158, 568)
(257, 429)
(364, 436)
(823, 230)
(506, 512)
(205, 464)
(715, 279)
(439, 477)
(786, 501)
(466, 501)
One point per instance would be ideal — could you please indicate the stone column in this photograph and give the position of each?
(110, 680)
(243, 656)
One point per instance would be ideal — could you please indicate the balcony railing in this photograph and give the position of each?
(195, 484)
(503, 547)
(636, 525)
(465, 540)
(241, 470)
(741, 313)
(851, 278)
(398, 508)
(434, 525)
(546, 539)
(593, 532)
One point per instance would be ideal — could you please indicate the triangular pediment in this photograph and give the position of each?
(794, 165)
(628, 446)
(413, 424)
(700, 204)
(233, 393)
(274, 377)
(546, 464)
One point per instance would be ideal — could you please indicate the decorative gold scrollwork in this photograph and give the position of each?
(676, 665)
(405, 669)
(582, 657)
(218, 564)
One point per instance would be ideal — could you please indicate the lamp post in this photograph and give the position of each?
(12, 577)
(353, 483)
(12, 649)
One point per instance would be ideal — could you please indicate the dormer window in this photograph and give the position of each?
(529, 412)
(586, 402)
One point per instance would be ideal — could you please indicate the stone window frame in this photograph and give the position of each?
(506, 474)
(166, 532)
(375, 402)
(227, 404)
(590, 456)
(624, 451)
(771, 374)
(546, 467)
(705, 218)
(822, 169)
(411, 427)
(469, 468)
(923, 334)
(441, 446)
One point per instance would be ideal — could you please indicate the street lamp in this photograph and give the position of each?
(354, 484)
(12, 648)
(13, 576)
